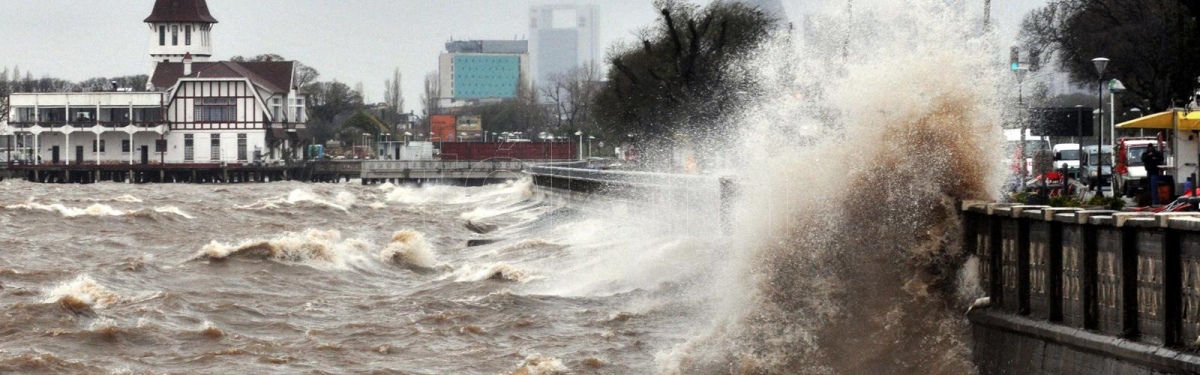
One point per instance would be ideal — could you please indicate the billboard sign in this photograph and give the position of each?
(470, 123)
(441, 128)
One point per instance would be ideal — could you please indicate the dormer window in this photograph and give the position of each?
(187, 35)
(174, 35)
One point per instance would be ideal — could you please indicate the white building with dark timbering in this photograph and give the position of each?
(192, 111)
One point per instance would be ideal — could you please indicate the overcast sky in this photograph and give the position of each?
(349, 40)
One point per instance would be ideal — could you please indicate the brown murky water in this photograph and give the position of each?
(304, 278)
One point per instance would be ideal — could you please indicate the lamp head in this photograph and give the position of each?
(1100, 63)
(1115, 85)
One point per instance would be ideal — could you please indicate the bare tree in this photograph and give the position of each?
(572, 93)
(1151, 44)
(393, 96)
(429, 98)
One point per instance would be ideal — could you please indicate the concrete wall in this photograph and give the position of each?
(1005, 344)
(1073, 291)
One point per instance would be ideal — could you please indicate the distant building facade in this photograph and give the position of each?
(192, 112)
(474, 71)
(562, 37)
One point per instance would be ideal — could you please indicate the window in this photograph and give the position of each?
(162, 35)
(101, 145)
(216, 147)
(216, 110)
(297, 109)
(174, 35)
(187, 35)
(276, 113)
(125, 145)
(241, 147)
(189, 149)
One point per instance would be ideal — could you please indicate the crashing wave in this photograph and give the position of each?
(315, 247)
(342, 201)
(81, 295)
(496, 272)
(537, 364)
(94, 210)
(409, 248)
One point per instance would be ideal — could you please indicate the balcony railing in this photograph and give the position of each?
(84, 124)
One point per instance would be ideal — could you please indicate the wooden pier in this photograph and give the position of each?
(371, 172)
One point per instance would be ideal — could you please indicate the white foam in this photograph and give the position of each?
(409, 247)
(537, 364)
(84, 290)
(173, 210)
(316, 248)
(96, 209)
(495, 271)
(342, 201)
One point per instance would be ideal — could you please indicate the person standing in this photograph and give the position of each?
(1152, 159)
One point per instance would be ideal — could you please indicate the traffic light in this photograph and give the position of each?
(1015, 58)
(1034, 59)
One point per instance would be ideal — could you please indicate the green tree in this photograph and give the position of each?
(330, 103)
(682, 77)
(1151, 44)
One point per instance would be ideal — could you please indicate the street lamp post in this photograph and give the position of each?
(1114, 86)
(1100, 64)
(580, 134)
(1020, 73)
(589, 153)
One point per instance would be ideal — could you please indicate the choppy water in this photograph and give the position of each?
(304, 278)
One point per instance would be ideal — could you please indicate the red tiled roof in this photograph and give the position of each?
(275, 76)
(180, 11)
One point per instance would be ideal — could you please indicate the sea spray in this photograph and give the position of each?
(847, 258)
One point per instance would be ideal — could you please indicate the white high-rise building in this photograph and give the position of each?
(561, 37)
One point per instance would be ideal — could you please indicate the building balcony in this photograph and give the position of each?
(83, 125)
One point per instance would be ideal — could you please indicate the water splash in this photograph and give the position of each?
(845, 257)
(81, 295)
(409, 248)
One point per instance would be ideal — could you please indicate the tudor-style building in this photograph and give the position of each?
(192, 112)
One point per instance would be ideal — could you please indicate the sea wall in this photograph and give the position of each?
(705, 196)
(1082, 292)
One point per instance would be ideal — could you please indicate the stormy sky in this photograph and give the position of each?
(349, 40)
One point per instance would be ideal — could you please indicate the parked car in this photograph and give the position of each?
(1093, 173)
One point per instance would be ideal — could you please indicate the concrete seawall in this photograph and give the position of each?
(707, 199)
(1085, 292)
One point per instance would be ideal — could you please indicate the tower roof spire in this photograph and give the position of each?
(180, 11)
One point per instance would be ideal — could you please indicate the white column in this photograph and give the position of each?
(130, 148)
(67, 136)
(97, 126)
(37, 151)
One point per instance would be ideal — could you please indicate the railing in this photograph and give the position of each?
(707, 200)
(1130, 275)
(84, 124)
